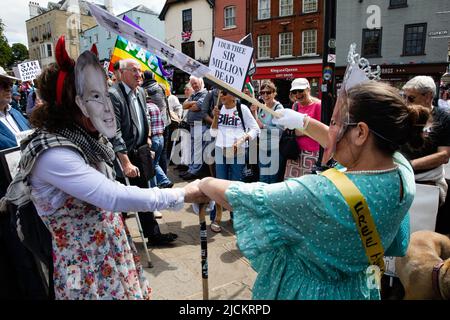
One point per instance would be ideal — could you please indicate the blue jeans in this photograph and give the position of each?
(198, 144)
(227, 169)
(160, 177)
(268, 162)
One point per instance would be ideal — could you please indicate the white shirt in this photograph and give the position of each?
(61, 172)
(135, 105)
(8, 120)
(230, 127)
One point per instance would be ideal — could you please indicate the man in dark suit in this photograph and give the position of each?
(128, 99)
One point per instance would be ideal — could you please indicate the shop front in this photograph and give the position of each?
(398, 74)
(282, 76)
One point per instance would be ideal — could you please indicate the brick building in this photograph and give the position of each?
(287, 37)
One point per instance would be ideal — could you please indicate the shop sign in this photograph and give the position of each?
(438, 33)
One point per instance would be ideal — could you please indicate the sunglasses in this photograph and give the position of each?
(266, 92)
(297, 91)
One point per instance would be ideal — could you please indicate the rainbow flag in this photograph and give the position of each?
(124, 49)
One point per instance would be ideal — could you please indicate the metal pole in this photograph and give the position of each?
(204, 250)
(328, 87)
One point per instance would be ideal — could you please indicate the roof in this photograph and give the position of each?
(168, 3)
(140, 8)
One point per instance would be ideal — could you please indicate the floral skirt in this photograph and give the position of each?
(303, 165)
(93, 255)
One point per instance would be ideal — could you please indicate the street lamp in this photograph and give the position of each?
(201, 42)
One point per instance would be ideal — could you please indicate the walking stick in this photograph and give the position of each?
(141, 232)
(204, 249)
(149, 260)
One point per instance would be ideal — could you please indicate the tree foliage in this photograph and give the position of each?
(10, 55)
(19, 52)
(5, 49)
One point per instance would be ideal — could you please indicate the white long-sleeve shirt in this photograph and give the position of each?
(230, 127)
(61, 172)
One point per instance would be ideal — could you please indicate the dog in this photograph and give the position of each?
(425, 269)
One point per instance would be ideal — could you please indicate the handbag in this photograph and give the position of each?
(145, 161)
(250, 172)
(288, 145)
(184, 125)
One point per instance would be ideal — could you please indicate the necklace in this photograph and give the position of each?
(374, 171)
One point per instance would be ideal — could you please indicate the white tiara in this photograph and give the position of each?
(358, 70)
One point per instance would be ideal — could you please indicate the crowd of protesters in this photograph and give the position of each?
(212, 133)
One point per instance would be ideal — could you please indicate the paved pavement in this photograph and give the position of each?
(176, 272)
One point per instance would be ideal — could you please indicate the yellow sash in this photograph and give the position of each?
(361, 214)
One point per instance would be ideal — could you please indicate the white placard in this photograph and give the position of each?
(447, 170)
(230, 61)
(157, 47)
(423, 211)
(422, 215)
(29, 70)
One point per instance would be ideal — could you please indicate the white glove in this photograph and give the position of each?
(290, 119)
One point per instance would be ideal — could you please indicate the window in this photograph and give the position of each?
(310, 6)
(187, 20)
(264, 46)
(49, 50)
(393, 4)
(138, 21)
(263, 9)
(96, 38)
(414, 39)
(49, 30)
(285, 44)
(90, 39)
(286, 8)
(188, 48)
(230, 17)
(371, 43)
(309, 42)
(109, 35)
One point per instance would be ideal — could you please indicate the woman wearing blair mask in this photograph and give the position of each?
(67, 167)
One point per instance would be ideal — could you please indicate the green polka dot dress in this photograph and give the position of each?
(301, 238)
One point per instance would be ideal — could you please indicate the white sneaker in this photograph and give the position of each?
(157, 214)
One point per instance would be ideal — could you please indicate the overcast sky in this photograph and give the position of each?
(14, 13)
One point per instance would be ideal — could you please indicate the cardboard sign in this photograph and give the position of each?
(29, 70)
(230, 62)
(423, 211)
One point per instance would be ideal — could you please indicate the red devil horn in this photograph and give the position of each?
(65, 62)
(94, 50)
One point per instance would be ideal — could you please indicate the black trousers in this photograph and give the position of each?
(148, 222)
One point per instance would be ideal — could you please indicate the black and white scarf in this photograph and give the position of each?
(95, 152)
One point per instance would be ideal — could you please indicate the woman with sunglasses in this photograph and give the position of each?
(66, 171)
(309, 149)
(233, 125)
(269, 152)
(300, 235)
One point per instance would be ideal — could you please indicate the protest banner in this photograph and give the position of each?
(230, 62)
(29, 70)
(125, 49)
(166, 52)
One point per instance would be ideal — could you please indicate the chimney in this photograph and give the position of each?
(109, 6)
(34, 9)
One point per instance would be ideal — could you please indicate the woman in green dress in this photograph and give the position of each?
(300, 235)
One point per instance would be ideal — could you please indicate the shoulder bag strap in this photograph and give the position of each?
(239, 110)
(361, 214)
